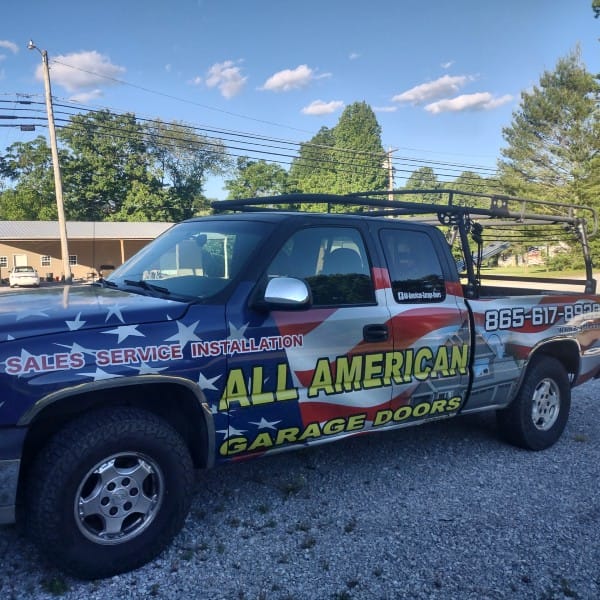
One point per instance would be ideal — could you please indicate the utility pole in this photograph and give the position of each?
(390, 170)
(62, 225)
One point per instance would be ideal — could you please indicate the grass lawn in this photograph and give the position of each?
(533, 271)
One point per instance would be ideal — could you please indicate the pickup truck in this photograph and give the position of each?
(263, 328)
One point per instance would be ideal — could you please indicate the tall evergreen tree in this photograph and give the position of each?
(358, 151)
(553, 136)
(347, 158)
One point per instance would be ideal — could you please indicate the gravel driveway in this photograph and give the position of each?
(445, 510)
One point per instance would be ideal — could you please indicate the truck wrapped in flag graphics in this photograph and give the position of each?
(263, 328)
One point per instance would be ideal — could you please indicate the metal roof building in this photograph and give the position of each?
(107, 230)
(94, 246)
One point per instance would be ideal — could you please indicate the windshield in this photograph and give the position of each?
(195, 259)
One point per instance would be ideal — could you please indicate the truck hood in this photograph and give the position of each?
(56, 310)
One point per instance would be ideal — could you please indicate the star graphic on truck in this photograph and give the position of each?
(124, 331)
(185, 334)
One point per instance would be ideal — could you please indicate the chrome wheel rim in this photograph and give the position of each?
(546, 405)
(119, 498)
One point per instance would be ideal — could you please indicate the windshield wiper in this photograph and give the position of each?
(142, 283)
(105, 283)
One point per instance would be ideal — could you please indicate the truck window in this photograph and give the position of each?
(414, 266)
(332, 260)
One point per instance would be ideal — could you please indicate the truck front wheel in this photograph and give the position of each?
(109, 492)
(538, 415)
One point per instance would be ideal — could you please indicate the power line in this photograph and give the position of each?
(247, 144)
(235, 134)
(184, 100)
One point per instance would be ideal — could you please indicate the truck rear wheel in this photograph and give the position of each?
(538, 415)
(109, 492)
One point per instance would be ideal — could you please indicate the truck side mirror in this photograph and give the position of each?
(284, 293)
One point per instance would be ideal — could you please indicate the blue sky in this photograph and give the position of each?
(443, 77)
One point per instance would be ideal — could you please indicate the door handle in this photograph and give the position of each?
(375, 333)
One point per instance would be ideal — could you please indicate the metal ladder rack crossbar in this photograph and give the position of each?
(500, 209)
(375, 204)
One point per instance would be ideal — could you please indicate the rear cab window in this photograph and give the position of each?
(414, 266)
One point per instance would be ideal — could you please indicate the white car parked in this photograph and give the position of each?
(24, 276)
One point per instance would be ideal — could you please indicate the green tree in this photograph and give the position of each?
(112, 168)
(31, 195)
(256, 178)
(596, 8)
(315, 170)
(106, 154)
(183, 159)
(551, 141)
(348, 158)
(469, 181)
(424, 178)
(358, 151)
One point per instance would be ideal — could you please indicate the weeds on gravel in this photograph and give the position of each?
(564, 591)
(293, 486)
(350, 526)
(580, 437)
(565, 588)
(57, 586)
(308, 542)
(263, 509)
(303, 526)
(187, 554)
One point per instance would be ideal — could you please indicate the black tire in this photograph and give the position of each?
(538, 415)
(109, 492)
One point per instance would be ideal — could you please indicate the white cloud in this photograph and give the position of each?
(467, 102)
(196, 80)
(82, 70)
(85, 97)
(443, 86)
(227, 77)
(318, 107)
(447, 65)
(353, 55)
(168, 67)
(292, 79)
(9, 46)
(385, 109)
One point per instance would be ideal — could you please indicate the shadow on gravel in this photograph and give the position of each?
(442, 510)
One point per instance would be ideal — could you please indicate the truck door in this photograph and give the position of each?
(316, 373)
(429, 324)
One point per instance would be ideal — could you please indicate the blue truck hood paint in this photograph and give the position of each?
(34, 313)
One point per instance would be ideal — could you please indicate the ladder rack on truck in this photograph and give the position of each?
(486, 217)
